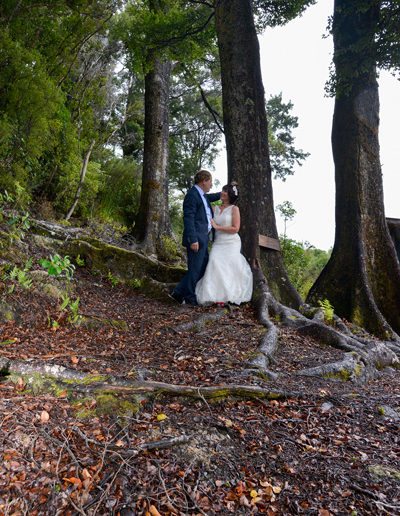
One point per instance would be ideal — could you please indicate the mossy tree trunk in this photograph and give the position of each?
(152, 221)
(245, 124)
(362, 277)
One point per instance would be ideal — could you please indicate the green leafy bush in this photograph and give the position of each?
(57, 265)
(72, 307)
(119, 194)
(303, 263)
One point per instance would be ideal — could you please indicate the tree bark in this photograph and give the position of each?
(362, 277)
(152, 221)
(246, 131)
(81, 180)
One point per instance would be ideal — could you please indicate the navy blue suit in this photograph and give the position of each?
(195, 225)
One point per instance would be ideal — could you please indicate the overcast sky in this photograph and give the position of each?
(295, 60)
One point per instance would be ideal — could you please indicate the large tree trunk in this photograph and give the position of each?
(362, 278)
(152, 221)
(245, 124)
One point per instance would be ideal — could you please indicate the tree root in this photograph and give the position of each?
(362, 360)
(357, 367)
(198, 324)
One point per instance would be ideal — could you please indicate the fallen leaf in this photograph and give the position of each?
(73, 480)
(153, 511)
(161, 417)
(20, 384)
(44, 416)
(85, 474)
(75, 360)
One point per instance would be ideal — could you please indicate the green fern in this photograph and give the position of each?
(328, 310)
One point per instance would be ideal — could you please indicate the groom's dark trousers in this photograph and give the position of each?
(195, 224)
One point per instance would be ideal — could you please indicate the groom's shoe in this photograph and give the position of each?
(176, 297)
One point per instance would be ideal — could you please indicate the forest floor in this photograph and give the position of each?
(331, 449)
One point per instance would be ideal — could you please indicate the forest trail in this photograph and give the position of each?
(334, 449)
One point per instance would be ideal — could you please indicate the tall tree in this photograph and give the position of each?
(245, 124)
(362, 277)
(152, 221)
(157, 31)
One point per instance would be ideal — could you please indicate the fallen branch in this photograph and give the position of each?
(75, 381)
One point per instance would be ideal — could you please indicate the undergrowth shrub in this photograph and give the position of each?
(303, 263)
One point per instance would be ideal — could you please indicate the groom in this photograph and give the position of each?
(197, 215)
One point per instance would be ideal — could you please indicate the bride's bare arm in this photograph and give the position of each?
(235, 222)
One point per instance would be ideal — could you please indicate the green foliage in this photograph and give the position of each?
(80, 262)
(57, 265)
(168, 249)
(136, 283)
(68, 184)
(287, 212)
(328, 310)
(29, 123)
(270, 13)
(54, 95)
(366, 36)
(169, 29)
(21, 276)
(119, 194)
(283, 154)
(113, 279)
(6, 200)
(176, 214)
(19, 224)
(194, 134)
(303, 263)
(72, 307)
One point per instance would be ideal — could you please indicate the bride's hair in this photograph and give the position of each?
(232, 192)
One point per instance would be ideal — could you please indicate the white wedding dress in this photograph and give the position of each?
(228, 277)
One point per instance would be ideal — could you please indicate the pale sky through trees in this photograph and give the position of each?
(295, 60)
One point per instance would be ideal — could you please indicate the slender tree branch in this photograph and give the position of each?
(214, 113)
(182, 37)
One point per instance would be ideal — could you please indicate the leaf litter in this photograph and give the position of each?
(331, 451)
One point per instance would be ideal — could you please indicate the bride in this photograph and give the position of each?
(228, 277)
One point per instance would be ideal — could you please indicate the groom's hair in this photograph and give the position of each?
(201, 175)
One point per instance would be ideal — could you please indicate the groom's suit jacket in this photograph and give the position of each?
(195, 223)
